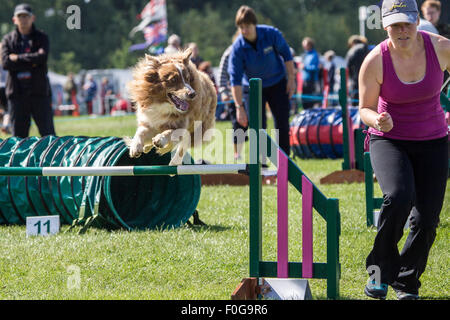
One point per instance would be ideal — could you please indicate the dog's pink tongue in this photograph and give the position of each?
(181, 104)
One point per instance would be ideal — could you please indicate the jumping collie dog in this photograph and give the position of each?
(170, 94)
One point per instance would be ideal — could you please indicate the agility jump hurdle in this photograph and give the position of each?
(287, 172)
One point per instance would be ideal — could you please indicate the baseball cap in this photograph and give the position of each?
(395, 11)
(23, 8)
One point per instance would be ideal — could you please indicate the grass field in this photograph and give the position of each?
(195, 262)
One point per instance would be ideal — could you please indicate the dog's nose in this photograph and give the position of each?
(192, 94)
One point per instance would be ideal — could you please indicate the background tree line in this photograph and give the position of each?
(103, 42)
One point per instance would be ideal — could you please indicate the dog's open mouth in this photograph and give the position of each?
(181, 105)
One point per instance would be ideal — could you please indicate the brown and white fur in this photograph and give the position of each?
(169, 94)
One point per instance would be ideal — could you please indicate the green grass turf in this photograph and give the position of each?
(200, 262)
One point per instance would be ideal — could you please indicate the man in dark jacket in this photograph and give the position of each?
(24, 55)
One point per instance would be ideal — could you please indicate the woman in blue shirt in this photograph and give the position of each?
(261, 51)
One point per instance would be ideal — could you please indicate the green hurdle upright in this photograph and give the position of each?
(371, 203)
(353, 139)
(327, 208)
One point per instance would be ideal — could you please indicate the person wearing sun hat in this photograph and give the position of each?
(399, 89)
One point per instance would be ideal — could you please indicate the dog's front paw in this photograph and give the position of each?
(136, 149)
(160, 141)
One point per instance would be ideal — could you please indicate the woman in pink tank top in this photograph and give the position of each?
(400, 83)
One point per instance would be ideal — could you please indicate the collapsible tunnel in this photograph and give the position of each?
(130, 202)
(318, 133)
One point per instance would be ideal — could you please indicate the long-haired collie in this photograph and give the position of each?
(169, 94)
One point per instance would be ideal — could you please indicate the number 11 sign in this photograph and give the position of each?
(42, 225)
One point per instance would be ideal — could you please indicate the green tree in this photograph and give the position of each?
(65, 63)
(209, 30)
(121, 58)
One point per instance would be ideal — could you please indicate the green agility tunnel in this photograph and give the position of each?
(130, 202)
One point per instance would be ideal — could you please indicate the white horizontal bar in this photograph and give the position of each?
(87, 171)
(210, 168)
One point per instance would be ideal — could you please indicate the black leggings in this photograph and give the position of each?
(413, 177)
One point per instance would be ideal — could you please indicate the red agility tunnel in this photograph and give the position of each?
(318, 133)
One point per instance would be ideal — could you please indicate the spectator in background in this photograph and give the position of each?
(331, 68)
(225, 95)
(431, 11)
(310, 72)
(206, 67)
(358, 50)
(261, 51)
(90, 90)
(70, 88)
(24, 54)
(106, 92)
(173, 44)
(195, 57)
(224, 78)
(426, 25)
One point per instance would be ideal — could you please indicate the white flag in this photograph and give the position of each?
(155, 10)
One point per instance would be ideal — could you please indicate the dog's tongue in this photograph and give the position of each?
(181, 104)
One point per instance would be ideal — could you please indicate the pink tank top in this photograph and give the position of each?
(415, 108)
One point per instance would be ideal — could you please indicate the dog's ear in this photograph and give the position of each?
(152, 61)
(187, 55)
(150, 58)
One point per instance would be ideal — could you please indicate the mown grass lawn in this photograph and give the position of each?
(195, 262)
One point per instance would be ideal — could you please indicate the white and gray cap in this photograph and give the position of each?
(23, 8)
(396, 11)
